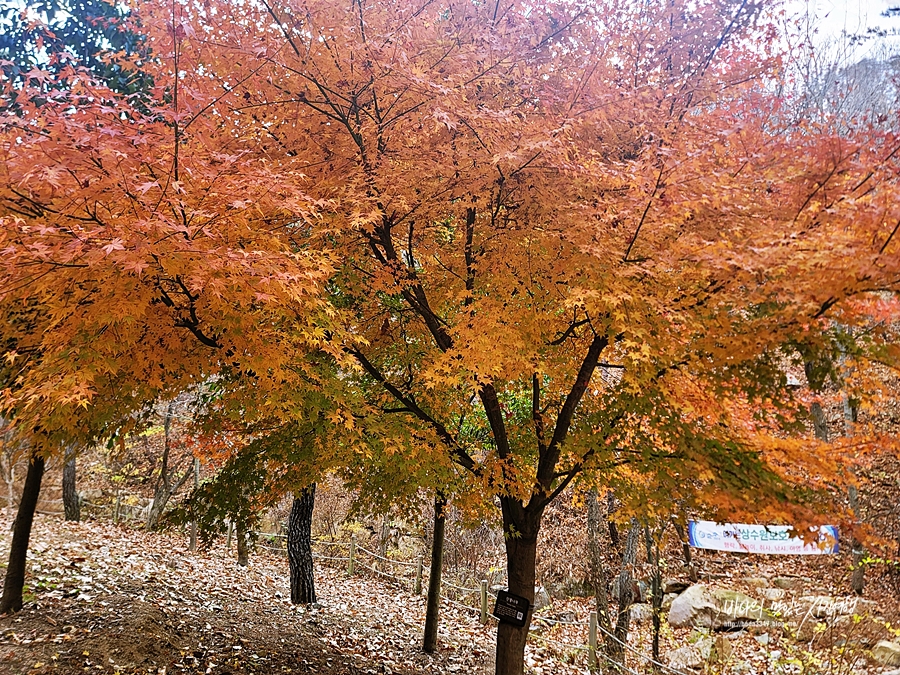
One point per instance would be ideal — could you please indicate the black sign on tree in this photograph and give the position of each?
(511, 608)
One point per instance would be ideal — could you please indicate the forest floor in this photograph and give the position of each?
(105, 598)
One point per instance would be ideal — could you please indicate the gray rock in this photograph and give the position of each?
(675, 586)
(641, 613)
(757, 582)
(887, 653)
(541, 598)
(643, 592)
(772, 593)
(690, 656)
(788, 583)
(762, 639)
(717, 608)
(667, 601)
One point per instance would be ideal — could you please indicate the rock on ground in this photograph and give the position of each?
(716, 608)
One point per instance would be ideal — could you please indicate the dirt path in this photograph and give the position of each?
(105, 599)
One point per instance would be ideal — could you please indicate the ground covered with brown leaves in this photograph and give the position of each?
(106, 599)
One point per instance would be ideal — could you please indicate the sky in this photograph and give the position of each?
(850, 16)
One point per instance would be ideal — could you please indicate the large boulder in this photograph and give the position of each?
(717, 608)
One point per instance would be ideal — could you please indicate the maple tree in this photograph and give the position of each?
(548, 243)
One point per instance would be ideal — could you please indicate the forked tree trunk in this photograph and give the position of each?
(433, 600)
(615, 644)
(71, 503)
(520, 532)
(299, 547)
(18, 550)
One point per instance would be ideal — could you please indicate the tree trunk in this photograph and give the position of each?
(520, 532)
(653, 556)
(299, 547)
(243, 548)
(686, 552)
(433, 600)
(18, 550)
(598, 577)
(193, 541)
(610, 523)
(858, 576)
(615, 644)
(71, 502)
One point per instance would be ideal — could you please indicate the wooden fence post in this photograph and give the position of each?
(351, 566)
(419, 575)
(592, 640)
(484, 601)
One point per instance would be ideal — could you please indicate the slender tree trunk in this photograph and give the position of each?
(299, 547)
(71, 502)
(858, 576)
(610, 523)
(18, 550)
(193, 542)
(520, 531)
(243, 546)
(433, 599)
(652, 543)
(686, 552)
(598, 578)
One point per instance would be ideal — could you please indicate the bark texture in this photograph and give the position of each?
(71, 501)
(18, 550)
(243, 545)
(520, 531)
(433, 599)
(299, 547)
(598, 578)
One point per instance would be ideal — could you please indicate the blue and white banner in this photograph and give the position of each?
(759, 538)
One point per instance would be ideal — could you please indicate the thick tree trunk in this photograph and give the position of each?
(299, 547)
(243, 546)
(615, 644)
(18, 550)
(520, 531)
(71, 502)
(433, 600)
